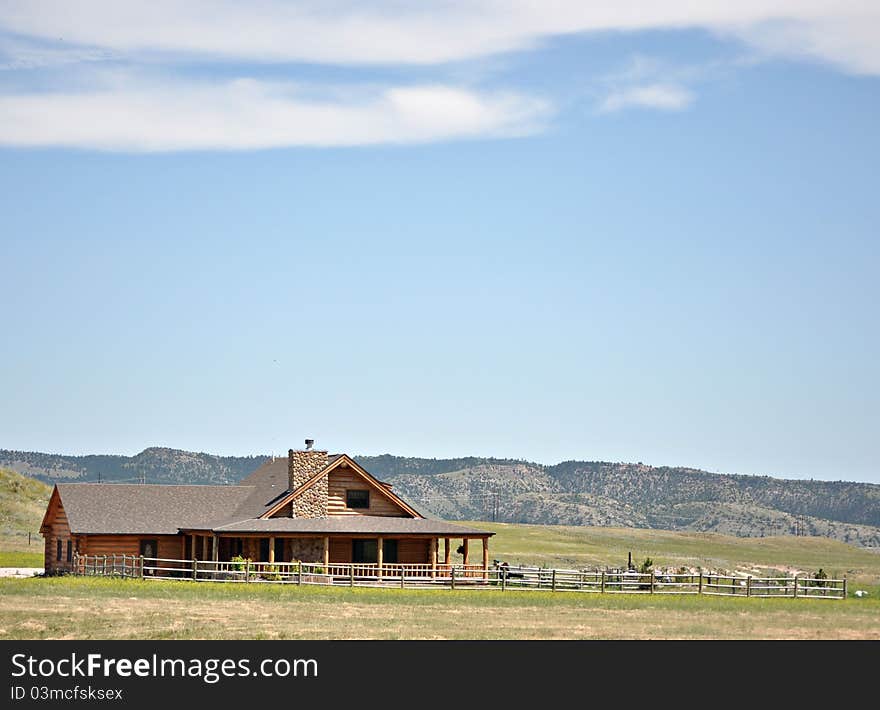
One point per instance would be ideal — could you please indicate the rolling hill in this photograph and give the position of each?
(591, 493)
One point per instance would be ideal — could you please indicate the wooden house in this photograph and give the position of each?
(311, 507)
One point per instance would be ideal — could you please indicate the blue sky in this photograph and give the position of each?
(584, 233)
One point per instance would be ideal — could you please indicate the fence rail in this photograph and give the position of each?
(413, 576)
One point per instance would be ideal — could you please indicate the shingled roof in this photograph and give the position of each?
(132, 509)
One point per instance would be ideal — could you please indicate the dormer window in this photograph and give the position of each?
(357, 499)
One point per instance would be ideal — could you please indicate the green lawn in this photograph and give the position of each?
(83, 608)
(21, 559)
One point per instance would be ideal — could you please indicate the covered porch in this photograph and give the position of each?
(381, 555)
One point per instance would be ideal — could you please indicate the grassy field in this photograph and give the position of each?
(82, 608)
(22, 504)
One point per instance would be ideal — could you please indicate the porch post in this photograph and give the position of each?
(434, 545)
(194, 551)
(271, 550)
(215, 551)
(379, 556)
(447, 551)
(204, 547)
(486, 559)
(326, 555)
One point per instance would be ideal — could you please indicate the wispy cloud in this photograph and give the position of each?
(664, 97)
(844, 32)
(79, 107)
(247, 114)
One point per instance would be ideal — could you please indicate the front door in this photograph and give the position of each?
(149, 548)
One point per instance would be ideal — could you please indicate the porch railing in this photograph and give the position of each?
(456, 576)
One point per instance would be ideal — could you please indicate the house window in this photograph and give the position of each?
(357, 499)
(389, 551)
(367, 551)
(70, 551)
(58, 551)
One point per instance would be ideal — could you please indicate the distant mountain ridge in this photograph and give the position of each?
(153, 465)
(508, 490)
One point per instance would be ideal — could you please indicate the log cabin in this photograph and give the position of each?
(311, 507)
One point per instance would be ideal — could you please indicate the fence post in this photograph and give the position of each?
(402, 576)
(195, 570)
(844, 586)
(142, 566)
(602, 588)
(553, 581)
(351, 575)
(504, 579)
(299, 572)
(795, 586)
(452, 586)
(652, 582)
(247, 570)
(749, 586)
(700, 584)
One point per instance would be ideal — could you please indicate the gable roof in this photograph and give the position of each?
(336, 461)
(136, 509)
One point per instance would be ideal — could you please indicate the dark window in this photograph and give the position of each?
(367, 551)
(70, 551)
(279, 549)
(357, 499)
(264, 549)
(58, 551)
(389, 551)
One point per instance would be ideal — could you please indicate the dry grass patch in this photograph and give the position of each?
(108, 609)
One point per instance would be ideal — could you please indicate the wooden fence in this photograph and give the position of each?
(426, 576)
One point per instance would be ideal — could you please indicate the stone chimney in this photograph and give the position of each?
(301, 467)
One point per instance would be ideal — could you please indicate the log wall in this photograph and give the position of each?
(343, 479)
